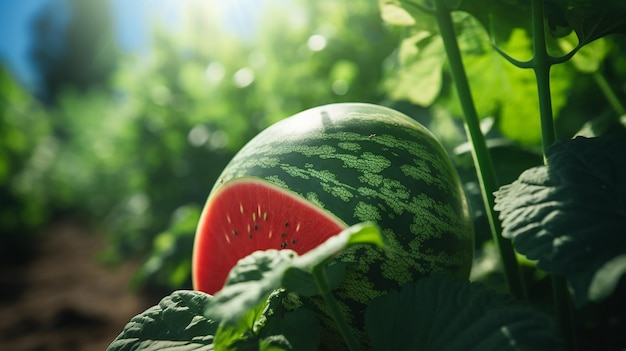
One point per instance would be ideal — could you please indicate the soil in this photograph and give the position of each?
(63, 298)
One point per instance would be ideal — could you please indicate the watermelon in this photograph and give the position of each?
(307, 177)
(240, 212)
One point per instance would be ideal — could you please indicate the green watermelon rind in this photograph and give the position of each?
(364, 162)
(351, 160)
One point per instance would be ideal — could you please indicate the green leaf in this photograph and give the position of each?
(394, 13)
(419, 76)
(241, 334)
(176, 323)
(606, 278)
(365, 233)
(596, 20)
(254, 277)
(504, 91)
(362, 233)
(280, 323)
(298, 326)
(571, 214)
(302, 282)
(403, 12)
(499, 17)
(443, 313)
(249, 284)
(589, 58)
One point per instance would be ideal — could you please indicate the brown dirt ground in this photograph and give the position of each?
(64, 299)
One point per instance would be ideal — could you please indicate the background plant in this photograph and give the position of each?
(137, 154)
(552, 33)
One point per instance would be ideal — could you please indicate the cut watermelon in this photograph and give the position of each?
(250, 214)
(325, 169)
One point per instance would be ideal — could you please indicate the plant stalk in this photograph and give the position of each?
(480, 153)
(564, 311)
(541, 63)
(609, 94)
(319, 273)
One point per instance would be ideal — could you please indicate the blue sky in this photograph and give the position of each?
(132, 23)
(131, 18)
(15, 40)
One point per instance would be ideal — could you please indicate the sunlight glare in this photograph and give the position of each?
(215, 72)
(316, 42)
(239, 16)
(243, 77)
(198, 135)
(340, 87)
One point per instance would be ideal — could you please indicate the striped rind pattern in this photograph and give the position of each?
(366, 162)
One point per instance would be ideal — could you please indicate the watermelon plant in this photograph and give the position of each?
(345, 226)
(326, 219)
(309, 176)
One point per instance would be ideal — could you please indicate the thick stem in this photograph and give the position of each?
(542, 62)
(319, 273)
(482, 158)
(564, 311)
(541, 65)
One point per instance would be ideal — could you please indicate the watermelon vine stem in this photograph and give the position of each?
(319, 273)
(541, 64)
(609, 94)
(480, 153)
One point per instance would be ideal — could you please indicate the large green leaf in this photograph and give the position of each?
(596, 19)
(419, 76)
(401, 12)
(571, 214)
(250, 283)
(446, 314)
(251, 300)
(502, 90)
(256, 276)
(279, 325)
(177, 323)
(256, 283)
(499, 17)
(590, 19)
(498, 88)
(299, 326)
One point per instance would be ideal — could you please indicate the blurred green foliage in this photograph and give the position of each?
(139, 154)
(500, 90)
(26, 149)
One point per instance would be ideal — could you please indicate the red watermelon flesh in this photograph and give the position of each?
(250, 214)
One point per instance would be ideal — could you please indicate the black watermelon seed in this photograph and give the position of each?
(256, 227)
(283, 234)
(234, 232)
(283, 245)
(293, 241)
(286, 224)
